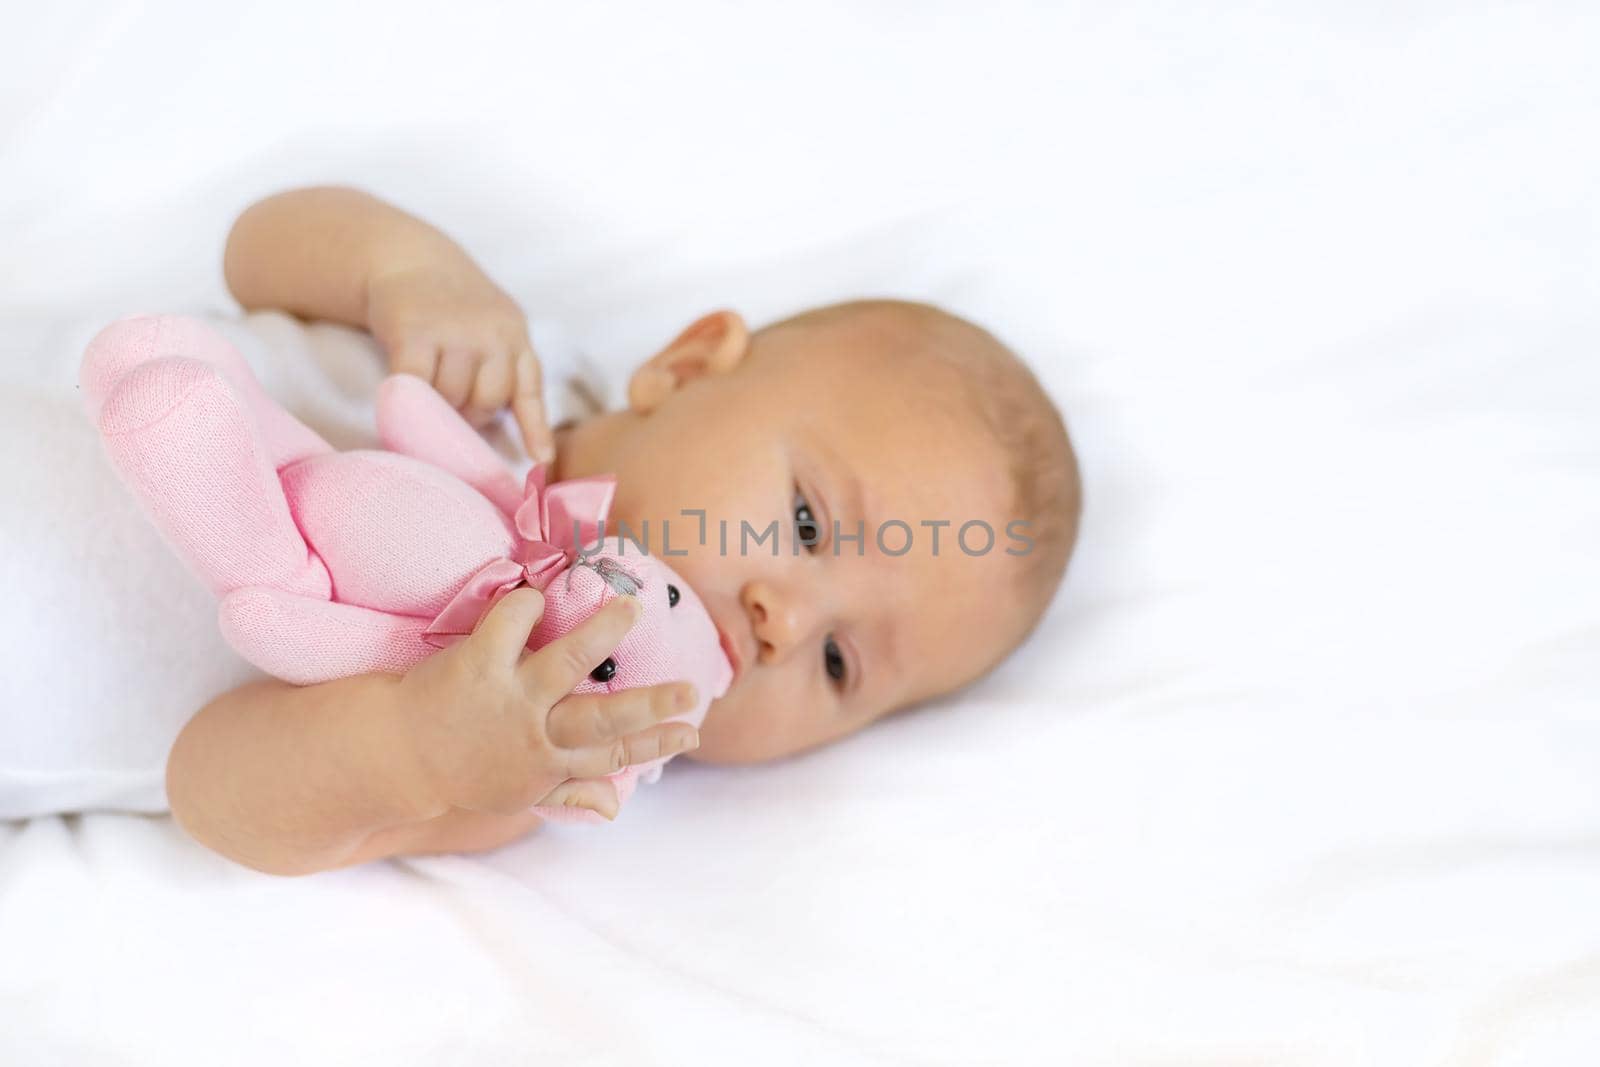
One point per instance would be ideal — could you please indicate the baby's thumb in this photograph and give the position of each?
(504, 631)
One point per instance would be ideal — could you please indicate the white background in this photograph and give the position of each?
(1301, 768)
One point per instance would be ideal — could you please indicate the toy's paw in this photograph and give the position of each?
(414, 420)
(153, 390)
(136, 339)
(310, 639)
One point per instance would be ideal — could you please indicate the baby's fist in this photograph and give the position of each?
(454, 328)
(497, 729)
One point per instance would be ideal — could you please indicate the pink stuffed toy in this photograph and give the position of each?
(336, 563)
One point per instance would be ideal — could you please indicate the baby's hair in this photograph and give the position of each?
(1006, 397)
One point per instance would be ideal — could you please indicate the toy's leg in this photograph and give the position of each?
(137, 339)
(185, 443)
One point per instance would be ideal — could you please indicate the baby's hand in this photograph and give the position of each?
(453, 327)
(496, 731)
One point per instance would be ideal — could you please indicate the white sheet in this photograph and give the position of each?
(1301, 768)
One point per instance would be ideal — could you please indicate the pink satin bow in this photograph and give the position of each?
(552, 525)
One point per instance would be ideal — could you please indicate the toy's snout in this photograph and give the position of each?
(674, 638)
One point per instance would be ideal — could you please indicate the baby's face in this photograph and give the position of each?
(828, 637)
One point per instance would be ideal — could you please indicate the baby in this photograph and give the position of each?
(874, 500)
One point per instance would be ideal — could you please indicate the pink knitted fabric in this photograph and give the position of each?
(336, 563)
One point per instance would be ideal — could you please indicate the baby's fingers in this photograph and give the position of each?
(458, 367)
(594, 718)
(595, 794)
(503, 632)
(415, 356)
(658, 742)
(527, 405)
(491, 390)
(561, 666)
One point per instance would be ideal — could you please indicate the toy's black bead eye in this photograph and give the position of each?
(606, 671)
(672, 596)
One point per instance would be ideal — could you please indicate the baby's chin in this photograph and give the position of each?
(731, 733)
(746, 726)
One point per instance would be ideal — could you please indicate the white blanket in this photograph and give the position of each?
(1301, 768)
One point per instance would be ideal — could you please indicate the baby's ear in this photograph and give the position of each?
(713, 344)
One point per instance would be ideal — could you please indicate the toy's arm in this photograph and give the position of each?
(415, 420)
(305, 640)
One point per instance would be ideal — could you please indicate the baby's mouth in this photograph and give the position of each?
(735, 662)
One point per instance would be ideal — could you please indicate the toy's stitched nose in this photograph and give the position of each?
(606, 671)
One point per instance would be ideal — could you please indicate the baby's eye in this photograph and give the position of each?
(805, 523)
(833, 660)
(672, 596)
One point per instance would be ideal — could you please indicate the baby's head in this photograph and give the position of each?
(931, 475)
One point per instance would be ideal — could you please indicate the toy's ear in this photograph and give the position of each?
(713, 344)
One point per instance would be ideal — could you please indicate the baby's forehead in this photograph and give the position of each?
(913, 447)
(934, 365)
(827, 384)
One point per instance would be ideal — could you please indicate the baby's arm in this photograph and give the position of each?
(342, 255)
(346, 794)
(456, 831)
(293, 780)
(314, 252)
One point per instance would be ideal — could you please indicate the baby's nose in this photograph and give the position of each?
(779, 618)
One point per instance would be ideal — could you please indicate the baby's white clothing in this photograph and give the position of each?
(111, 645)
